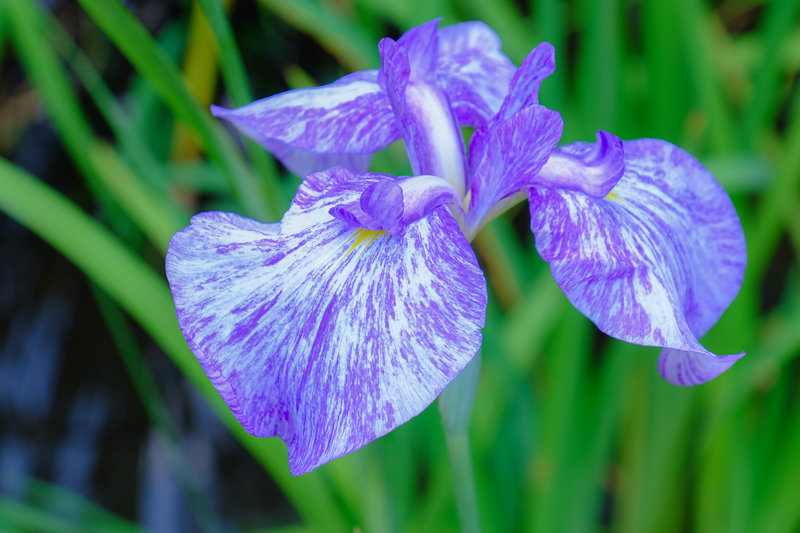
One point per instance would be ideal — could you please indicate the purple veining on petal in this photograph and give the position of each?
(391, 204)
(515, 152)
(523, 91)
(421, 45)
(638, 263)
(473, 71)
(429, 128)
(594, 173)
(687, 368)
(321, 339)
(351, 116)
(524, 87)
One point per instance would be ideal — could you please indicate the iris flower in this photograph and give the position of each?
(348, 317)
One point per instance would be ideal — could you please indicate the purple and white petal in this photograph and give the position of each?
(325, 335)
(656, 262)
(391, 204)
(420, 44)
(681, 367)
(432, 136)
(594, 173)
(473, 71)
(309, 128)
(515, 152)
(524, 86)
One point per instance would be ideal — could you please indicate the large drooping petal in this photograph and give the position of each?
(319, 127)
(654, 263)
(473, 71)
(321, 333)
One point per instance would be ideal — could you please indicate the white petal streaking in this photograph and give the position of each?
(656, 262)
(323, 334)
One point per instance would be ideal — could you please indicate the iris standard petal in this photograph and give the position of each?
(515, 151)
(524, 86)
(473, 71)
(315, 128)
(654, 263)
(429, 128)
(325, 335)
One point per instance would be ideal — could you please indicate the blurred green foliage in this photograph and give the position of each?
(571, 431)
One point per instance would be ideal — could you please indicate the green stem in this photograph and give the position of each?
(463, 480)
(455, 407)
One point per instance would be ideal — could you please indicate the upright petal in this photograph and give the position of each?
(473, 71)
(524, 86)
(316, 128)
(515, 151)
(523, 91)
(323, 335)
(654, 263)
(429, 128)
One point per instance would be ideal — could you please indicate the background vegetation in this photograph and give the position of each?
(108, 148)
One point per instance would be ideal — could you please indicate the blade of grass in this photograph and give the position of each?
(199, 77)
(88, 514)
(340, 36)
(776, 204)
(702, 35)
(21, 517)
(235, 78)
(146, 297)
(143, 52)
(599, 66)
(147, 210)
(155, 407)
(53, 87)
(778, 23)
(150, 170)
(565, 374)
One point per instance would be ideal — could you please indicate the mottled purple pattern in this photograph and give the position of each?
(473, 71)
(515, 152)
(322, 341)
(524, 87)
(656, 263)
(595, 172)
(420, 44)
(429, 128)
(391, 203)
(349, 116)
(523, 91)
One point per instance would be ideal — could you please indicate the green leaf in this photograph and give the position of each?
(146, 297)
(150, 61)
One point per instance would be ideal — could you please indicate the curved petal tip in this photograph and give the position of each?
(686, 368)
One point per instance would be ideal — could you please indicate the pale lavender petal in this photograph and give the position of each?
(515, 152)
(323, 335)
(432, 136)
(594, 173)
(421, 44)
(681, 367)
(523, 91)
(524, 86)
(656, 262)
(391, 204)
(307, 128)
(473, 71)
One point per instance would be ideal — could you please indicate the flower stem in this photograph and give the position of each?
(455, 407)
